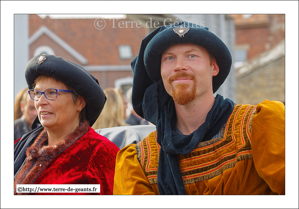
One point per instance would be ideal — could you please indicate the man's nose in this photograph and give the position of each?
(180, 65)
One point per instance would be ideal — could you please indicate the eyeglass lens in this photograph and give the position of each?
(49, 93)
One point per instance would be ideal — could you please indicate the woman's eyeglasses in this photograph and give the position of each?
(50, 93)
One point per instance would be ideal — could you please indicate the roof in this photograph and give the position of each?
(85, 42)
(44, 30)
(250, 20)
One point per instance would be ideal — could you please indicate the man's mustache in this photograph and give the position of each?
(181, 75)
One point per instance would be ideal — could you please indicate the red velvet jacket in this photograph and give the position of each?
(85, 157)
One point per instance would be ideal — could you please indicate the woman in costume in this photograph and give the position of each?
(62, 148)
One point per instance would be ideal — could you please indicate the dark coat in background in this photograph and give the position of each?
(21, 127)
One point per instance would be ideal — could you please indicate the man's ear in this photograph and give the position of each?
(22, 107)
(215, 68)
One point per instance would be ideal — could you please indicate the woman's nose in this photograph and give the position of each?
(42, 100)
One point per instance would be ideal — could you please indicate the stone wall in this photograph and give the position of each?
(264, 82)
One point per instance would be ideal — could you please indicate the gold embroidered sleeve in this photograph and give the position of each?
(268, 144)
(129, 177)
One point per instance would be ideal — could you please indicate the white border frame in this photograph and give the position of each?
(8, 9)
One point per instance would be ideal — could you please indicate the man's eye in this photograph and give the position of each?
(192, 55)
(169, 58)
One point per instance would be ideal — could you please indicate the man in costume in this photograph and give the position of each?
(23, 124)
(203, 144)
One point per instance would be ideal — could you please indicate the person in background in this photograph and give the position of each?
(17, 107)
(113, 111)
(204, 144)
(121, 92)
(64, 149)
(23, 124)
(134, 118)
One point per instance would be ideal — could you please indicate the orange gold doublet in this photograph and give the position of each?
(210, 158)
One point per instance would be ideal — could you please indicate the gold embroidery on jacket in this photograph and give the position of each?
(209, 158)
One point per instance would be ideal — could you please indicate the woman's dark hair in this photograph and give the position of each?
(75, 95)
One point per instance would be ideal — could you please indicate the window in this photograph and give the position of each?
(124, 83)
(43, 50)
(125, 52)
(240, 57)
(247, 16)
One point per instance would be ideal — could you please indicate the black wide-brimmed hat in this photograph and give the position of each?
(146, 65)
(72, 75)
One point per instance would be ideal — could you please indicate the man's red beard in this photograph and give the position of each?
(180, 94)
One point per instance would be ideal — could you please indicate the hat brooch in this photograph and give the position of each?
(181, 31)
(41, 59)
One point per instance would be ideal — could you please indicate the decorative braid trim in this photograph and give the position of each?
(210, 158)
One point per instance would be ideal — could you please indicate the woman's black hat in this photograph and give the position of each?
(72, 75)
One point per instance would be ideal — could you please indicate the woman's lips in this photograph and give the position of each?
(45, 113)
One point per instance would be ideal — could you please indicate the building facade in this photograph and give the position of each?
(106, 46)
(260, 57)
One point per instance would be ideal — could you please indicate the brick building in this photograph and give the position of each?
(260, 57)
(105, 52)
(105, 47)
